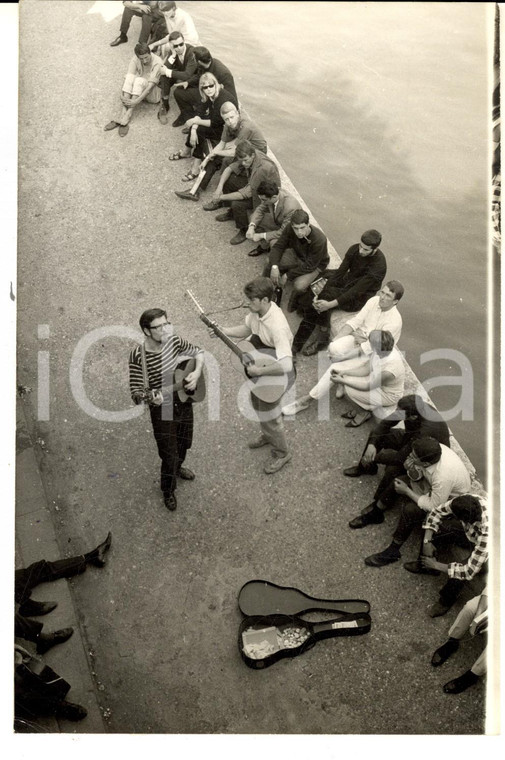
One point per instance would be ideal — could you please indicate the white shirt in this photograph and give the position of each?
(272, 329)
(372, 317)
(183, 23)
(447, 477)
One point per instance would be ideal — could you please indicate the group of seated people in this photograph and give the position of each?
(348, 311)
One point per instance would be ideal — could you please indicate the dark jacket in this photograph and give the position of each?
(428, 424)
(357, 279)
(312, 252)
(222, 74)
(183, 71)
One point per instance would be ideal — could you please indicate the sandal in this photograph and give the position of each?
(177, 156)
(359, 419)
(189, 177)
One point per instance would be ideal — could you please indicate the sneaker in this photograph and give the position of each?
(372, 515)
(170, 502)
(381, 559)
(257, 443)
(438, 609)
(295, 407)
(119, 40)
(224, 217)
(276, 463)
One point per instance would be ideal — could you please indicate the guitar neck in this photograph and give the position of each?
(220, 334)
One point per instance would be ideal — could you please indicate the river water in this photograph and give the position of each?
(378, 113)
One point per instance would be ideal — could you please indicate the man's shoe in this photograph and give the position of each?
(444, 652)
(97, 556)
(187, 195)
(293, 303)
(119, 40)
(170, 502)
(212, 206)
(295, 407)
(238, 238)
(314, 348)
(225, 217)
(123, 130)
(163, 114)
(276, 463)
(372, 515)
(48, 640)
(438, 609)
(110, 125)
(258, 251)
(32, 608)
(257, 443)
(70, 711)
(418, 568)
(457, 685)
(186, 474)
(381, 559)
(179, 121)
(358, 470)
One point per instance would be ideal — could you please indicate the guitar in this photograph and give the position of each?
(268, 388)
(177, 387)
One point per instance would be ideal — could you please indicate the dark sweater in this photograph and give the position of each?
(357, 279)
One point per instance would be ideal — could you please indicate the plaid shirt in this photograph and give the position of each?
(477, 534)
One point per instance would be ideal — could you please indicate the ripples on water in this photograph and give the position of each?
(378, 113)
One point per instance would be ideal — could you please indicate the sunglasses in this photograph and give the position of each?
(207, 86)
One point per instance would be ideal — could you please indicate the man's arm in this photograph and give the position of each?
(189, 70)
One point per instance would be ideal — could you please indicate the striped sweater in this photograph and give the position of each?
(161, 365)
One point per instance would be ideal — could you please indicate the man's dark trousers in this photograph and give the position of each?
(147, 22)
(173, 431)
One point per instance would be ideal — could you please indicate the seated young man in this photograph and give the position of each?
(267, 326)
(180, 67)
(435, 474)
(140, 84)
(269, 220)
(351, 348)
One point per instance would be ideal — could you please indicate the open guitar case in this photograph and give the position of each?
(273, 627)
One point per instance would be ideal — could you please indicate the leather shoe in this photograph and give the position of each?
(186, 474)
(438, 609)
(418, 568)
(373, 516)
(119, 40)
(212, 206)
(258, 251)
(97, 556)
(179, 121)
(110, 125)
(32, 608)
(238, 238)
(381, 559)
(314, 348)
(225, 217)
(444, 652)
(123, 130)
(187, 195)
(70, 711)
(170, 502)
(185, 130)
(457, 685)
(358, 470)
(46, 641)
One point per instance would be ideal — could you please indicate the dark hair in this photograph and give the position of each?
(371, 237)
(466, 508)
(396, 288)
(141, 48)
(202, 54)
(387, 342)
(244, 148)
(167, 6)
(149, 316)
(175, 35)
(412, 404)
(260, 287)
(427, 449)
(268, 188)
(299, 216)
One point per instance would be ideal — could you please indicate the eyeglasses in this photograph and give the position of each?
(159, 327)
(178, 44)
(207, 86)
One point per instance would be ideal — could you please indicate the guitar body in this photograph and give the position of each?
(269, 388)
(180, 374)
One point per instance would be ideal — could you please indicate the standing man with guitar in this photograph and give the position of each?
(154, 367)
(267, 329)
